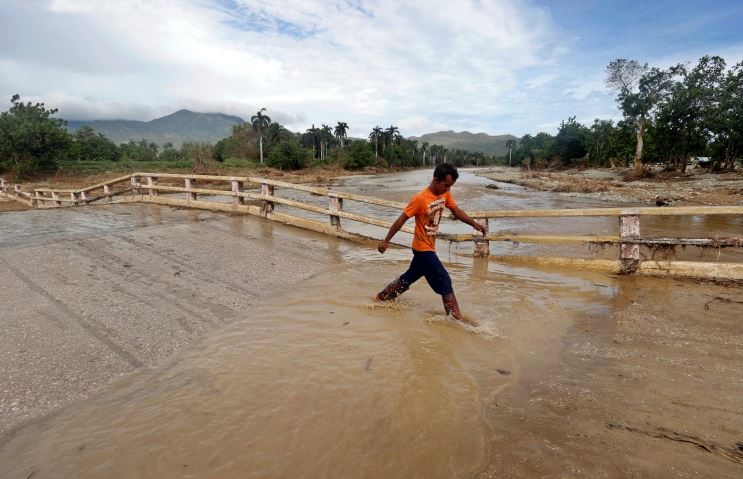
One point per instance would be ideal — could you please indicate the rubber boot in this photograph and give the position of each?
(451, 306)
(393, 290)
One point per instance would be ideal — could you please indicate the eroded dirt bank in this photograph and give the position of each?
(693, 189)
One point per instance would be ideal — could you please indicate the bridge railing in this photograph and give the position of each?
(257, 196)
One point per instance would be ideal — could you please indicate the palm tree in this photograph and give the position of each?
(260, 122)
(326, 136)
(340, 131)
(313, 131)
(510, 143)
(374, 136)
(424, 150)
(392, 133)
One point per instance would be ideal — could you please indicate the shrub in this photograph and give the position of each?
(287, 155)
(359, 155)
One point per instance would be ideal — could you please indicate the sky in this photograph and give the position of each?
(493, 66)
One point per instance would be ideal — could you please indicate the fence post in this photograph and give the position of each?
(55, 197)
(266, 205)
(36, 200)
(107, 192)
(136, 184)
(84, 197)
(335, 205)
(629, 253)
(482, 245)
(3, 185)
(73, 197)
(152, 181)
(17, 190)
(237, 187)
(190, 183)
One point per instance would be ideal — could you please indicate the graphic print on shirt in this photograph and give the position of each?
(433, 216)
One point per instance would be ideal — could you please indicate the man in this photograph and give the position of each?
(427, 206)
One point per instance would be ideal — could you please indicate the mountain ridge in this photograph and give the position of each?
(473, 142)
(176, 128)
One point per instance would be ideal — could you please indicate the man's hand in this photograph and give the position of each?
(382, 246)
(479, 227)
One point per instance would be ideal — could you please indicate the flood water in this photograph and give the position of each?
(320, 381)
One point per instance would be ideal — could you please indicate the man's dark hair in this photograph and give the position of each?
(443, 170)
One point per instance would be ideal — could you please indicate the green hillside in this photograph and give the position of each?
(176, 128)
(475, 142)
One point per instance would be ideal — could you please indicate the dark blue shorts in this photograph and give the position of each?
(426, 263)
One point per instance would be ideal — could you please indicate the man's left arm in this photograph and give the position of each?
(465, 218)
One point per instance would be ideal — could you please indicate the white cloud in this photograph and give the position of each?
(417, 65)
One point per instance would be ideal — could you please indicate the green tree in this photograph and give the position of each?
(92, 146)
(341, 130)
(570, 142)
(375, 136)
(169, 153)
(30, 139)
(141, 150)
(260, 123)
(326, 137)
(687, 113)
(639, 91)
(360, 155)
(510, 143)
(391, 134)
(288, 155)
(598, 141)
(725, 120)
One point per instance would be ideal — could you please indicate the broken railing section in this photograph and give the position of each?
(198, 191)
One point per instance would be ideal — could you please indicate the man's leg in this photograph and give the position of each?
(393, 290)
(451, 306)
(402, 284)
(439, 280)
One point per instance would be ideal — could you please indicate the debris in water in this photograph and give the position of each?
(368, 364)
(346, 323)
(504, 371)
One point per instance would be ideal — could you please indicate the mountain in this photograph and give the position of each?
(475, 142)
(178, 127)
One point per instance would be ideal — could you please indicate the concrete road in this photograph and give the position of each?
(92, 294)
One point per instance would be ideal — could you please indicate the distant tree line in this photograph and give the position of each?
(32, 141)
(670, 115)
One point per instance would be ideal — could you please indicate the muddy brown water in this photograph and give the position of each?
(569, 374)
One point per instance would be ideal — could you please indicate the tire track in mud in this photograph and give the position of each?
(185, 265)
(96, 329)
(106, 260)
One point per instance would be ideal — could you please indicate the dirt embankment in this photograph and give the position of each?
(659, 189)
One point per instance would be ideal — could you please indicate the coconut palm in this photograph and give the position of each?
(260, 123)
(340, 132)
(375, 135)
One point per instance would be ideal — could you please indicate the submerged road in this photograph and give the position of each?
(91, 294)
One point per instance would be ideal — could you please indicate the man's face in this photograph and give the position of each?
(442, 186)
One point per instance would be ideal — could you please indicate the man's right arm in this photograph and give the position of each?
(384, 244)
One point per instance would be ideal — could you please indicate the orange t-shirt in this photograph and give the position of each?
(427, 209)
